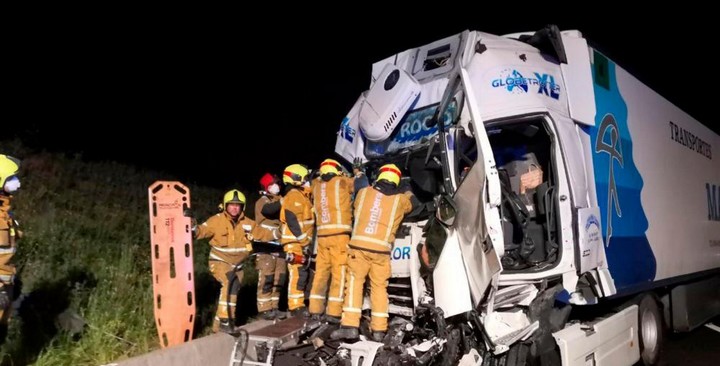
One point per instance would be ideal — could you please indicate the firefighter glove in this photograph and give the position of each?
(193, 222)
(358, 166)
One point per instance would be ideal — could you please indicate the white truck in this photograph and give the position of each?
(571, 214)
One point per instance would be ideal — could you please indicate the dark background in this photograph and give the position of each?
(221, 100)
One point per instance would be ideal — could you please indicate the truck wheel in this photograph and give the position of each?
(650, 330)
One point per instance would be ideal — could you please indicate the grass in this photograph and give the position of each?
(86, 249)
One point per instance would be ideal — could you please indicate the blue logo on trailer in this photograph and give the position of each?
(618, 184)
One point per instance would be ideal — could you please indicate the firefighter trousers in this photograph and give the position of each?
(226, 305)
(362, 264)
(330, 264)
(297, 279)
(7, 251)
(272, 273)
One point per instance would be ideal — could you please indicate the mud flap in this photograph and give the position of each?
(172, 262)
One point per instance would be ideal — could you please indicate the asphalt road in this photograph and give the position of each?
(699, 347)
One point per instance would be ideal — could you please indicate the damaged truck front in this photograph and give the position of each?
(523, 149)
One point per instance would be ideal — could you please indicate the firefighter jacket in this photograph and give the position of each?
(296, 216)
(7, 224)
(377, 218)
(229, 240)
(266, 229)
(8, 235)
(331, 200)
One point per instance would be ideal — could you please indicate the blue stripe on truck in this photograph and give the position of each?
(618, 184)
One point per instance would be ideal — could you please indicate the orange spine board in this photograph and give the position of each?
(172, 262)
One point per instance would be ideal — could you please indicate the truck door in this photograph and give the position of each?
(475, 219)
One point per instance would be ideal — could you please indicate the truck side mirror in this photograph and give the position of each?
(446, 210)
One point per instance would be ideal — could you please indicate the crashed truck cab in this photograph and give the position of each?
(483, 127)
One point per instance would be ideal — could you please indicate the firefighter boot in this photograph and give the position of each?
(332, 319)
(378, 336)
(269, 315)
(300, 312)
(222, 325)
(345, 333)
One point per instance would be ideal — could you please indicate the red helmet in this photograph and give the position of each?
(267, 180)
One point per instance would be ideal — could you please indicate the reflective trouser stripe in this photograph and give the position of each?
(361, 265)
(341, 288)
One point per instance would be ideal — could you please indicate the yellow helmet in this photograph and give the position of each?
(233, 196)
(390, 173)
(9, 167)
(330, 166)
(295, 174)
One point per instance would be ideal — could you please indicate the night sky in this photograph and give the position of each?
(258, 99)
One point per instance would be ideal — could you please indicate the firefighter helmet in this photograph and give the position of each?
(330, 166)
(9, 168)
(267, 180)
(233, 196)
(296, 174)
(390, 173)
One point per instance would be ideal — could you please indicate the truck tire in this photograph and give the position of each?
(650, 330)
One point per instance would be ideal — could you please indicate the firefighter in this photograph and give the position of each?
(9, 232)
(230, 234)
(272, 270)
(331, 193)
(297, 226)
(379, 210)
